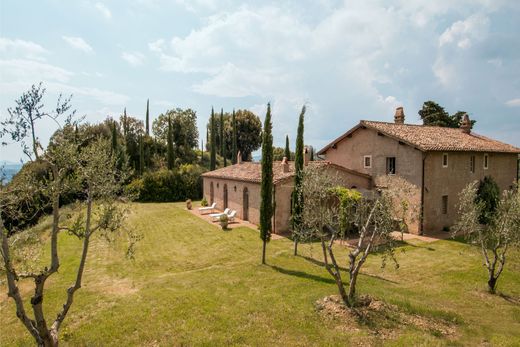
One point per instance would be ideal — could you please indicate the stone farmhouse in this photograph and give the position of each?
(238, 187)
(438, 162)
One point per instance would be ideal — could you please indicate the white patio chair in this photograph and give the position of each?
(231, 216)
(209, 208)
(216, 216)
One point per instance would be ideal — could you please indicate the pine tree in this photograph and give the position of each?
(287, 149)
(141, 154)
(234, 150)
(266, 189)
(169, 148)
(213, 154)
(148, 117)
(297, 200)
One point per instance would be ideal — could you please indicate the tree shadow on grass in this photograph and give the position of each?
(302, 274)
(345, 270)
(510, 299)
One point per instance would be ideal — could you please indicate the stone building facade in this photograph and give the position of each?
(438, 162)
(238, 187)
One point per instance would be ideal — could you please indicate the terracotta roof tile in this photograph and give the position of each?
(252, 171)
(433, 138)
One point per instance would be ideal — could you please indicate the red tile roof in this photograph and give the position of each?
(252, 171)
(432, 138)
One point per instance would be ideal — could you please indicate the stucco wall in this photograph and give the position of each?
(451, 180)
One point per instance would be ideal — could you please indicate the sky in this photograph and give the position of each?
(344, 60)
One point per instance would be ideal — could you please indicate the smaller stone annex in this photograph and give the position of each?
(238, 187)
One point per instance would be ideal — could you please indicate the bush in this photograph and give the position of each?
(179, 184)
(204, 202)
(488, 194)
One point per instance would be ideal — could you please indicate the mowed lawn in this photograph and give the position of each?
(194, 284)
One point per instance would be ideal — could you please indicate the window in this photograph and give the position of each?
(367, 161)
(472, 164)
(444, 204)
(486, 161)
(390, 166)
(445, 160)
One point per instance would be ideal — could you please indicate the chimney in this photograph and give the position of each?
(306, 156)
(465, 124)
(399, 115)
(239, 158)
(285, 165)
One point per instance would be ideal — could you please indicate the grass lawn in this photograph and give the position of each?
(194, 284)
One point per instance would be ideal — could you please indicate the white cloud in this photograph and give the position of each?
(30, 71)
(133, 58)
(78, 43)
(463, 33)
(513, 102)
(27, 49)
(103, 10)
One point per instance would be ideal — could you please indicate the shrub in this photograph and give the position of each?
(488, 194)
(179, 184)
(204, 202)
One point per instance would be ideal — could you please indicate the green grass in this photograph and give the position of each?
(194, 284)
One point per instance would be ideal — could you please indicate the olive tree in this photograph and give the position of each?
(372, 216)
(94, 169)
(499, 233)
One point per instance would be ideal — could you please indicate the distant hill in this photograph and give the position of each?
(8, 169)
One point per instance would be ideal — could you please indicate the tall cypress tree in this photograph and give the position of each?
(125, 124)
(287, 149)
(114, 137)
(297, 199)
(234, 150)
(266, 189)
(141, 155)
(148, 117)
(222, 140)
(169, 148)
(202, 152)
(213, 154)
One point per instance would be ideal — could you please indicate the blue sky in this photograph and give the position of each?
(346, 60)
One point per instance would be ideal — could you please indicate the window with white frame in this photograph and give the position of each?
(486, 161)
(444, 159)
(367, 161)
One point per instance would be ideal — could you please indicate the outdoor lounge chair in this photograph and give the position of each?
(208, 209)
(217, 215)
(231, 216)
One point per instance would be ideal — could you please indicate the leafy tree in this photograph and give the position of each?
(249, 133)
(287, 149)
(148, 117)
(278, 153)
(170, 153)
(213, 154)
(134, 129)
(297, 196)
(266, 188)
(114, 138)
(498, 235)
(92, 167)
(234, 143)
(141, 154)
(372, 216)
(184, 131)
(433, 114)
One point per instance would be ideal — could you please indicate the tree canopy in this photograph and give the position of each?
(433, 114)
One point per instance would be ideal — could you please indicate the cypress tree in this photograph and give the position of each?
(148, 117)
(222, 140)
(125, 125)
(169, 148)
(141, 155)
(114, 137)
(234, 150)
(202, 152)
(213, 154)
(287, 149)
(297, 201)
(266, 189)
